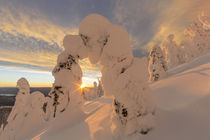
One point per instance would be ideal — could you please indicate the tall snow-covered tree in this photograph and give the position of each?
(123, 76)
(157, 64)
(174, 54)
(190, 51)
(181, 56)
(68, 76)
(100, 91)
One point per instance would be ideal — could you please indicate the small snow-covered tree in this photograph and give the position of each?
(94, 92)
(21, 99)
(157, 64)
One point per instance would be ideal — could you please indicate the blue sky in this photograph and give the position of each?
(31, 31)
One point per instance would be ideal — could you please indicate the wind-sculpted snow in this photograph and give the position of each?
(109, 45)
(68, 76)
(94, 32)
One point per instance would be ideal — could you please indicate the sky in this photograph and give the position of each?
(32, 31)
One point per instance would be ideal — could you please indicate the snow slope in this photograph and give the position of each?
(183, 110)
(184, 85)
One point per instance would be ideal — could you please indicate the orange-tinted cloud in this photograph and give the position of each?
(28, 38)
(150, 22)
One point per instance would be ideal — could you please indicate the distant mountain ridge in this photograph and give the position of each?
(7, 94)
(12, 91)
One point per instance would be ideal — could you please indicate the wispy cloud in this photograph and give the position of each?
(31, 23)
(29, 40)
(149, 22)
(27, 50)
(22, 66)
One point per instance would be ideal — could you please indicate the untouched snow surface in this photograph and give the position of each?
(183, 110)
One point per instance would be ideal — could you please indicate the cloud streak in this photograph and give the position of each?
(149, 22)
(27, 40)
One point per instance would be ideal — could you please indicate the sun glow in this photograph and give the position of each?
(82, 86)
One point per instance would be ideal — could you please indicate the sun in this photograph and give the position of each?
(82, 86)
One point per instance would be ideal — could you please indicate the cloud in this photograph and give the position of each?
(138, 17)
(149, 22)
(31, 23)
(177, 17)
(29, 40)
(21, 66)
(27, 50)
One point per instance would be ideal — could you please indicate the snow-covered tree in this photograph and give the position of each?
(169, 49)
(21, 98)
(100, 91)
(204, 17)
(190, 51)
(173, 53)
(94, 92)
(123, 76)
(198, 33)
(157, 64)
(68, 76)
(181, 55)
(28, 111)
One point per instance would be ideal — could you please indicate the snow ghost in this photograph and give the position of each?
(93, 32)
(28, 111)
(21, 98)
(68, 75)
(123, 76)
(23, 86)
(157, 64)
